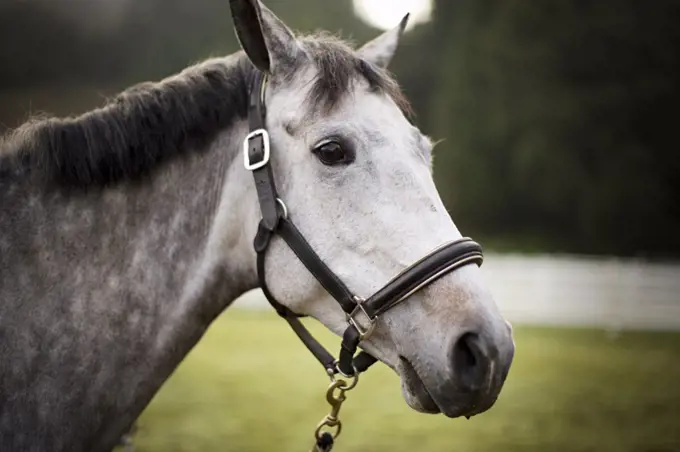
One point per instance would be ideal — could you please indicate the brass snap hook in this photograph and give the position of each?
(335, 396)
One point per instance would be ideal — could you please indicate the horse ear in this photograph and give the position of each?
(267, 41)
(380, 50)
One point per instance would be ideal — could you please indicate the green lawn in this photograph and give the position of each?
(251, 386)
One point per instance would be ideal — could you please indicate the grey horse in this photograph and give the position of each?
(127, 230)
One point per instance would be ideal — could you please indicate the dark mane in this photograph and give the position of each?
(152, 123)
(141, 127)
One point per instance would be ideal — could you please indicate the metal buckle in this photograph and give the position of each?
(246, 155)
(363, 333)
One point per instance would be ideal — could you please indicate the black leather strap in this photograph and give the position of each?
(348, 347)
(363, 361)
(325, 358)
(436, 264)
(320, 353)
(264, 179)
(316, 266)
(348, 362)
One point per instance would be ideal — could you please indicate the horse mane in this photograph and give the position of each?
(151, 123)
(141, 127)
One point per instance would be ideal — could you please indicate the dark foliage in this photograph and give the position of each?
(558, 118)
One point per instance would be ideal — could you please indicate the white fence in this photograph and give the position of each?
(610, 293)
(558, 290)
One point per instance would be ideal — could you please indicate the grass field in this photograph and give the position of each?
(251, 386)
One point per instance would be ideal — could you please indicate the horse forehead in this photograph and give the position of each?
(370, 104)
(380, 121)
(371, 115)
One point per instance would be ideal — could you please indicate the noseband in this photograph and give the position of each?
(275, 221)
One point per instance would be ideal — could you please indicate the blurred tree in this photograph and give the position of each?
(557, 118)
(559, 122)
(57, 42)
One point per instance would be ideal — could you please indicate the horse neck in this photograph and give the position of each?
(121, 283)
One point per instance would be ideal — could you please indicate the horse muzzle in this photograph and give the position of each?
(477, 365)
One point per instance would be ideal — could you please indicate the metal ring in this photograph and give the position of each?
(283, 206)
(337, 424)
(354, 378)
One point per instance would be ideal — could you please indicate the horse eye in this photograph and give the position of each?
(332, 153)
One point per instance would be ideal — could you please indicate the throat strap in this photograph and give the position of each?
(348, 362)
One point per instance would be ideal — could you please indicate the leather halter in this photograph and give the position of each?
(442, 260)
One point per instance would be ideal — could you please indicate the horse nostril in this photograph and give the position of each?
(470, 363)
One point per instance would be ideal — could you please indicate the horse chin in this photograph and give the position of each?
(414, 391)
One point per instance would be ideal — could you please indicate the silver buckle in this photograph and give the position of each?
(363, 333)
(246, 157)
